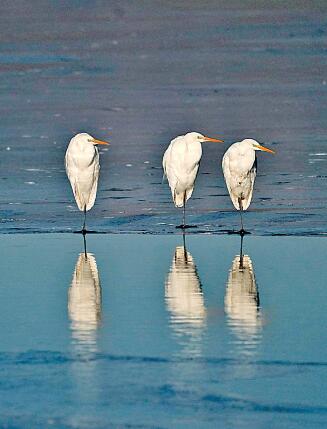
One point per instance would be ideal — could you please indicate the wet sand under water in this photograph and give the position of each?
(140, 74)
(143, 332)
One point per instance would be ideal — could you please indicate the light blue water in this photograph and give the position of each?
(143, 334)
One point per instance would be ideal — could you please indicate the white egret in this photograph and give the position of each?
(181, 163)
(185, 304)
(239, 167)
(242, 304)
(82, 168)
(183, 291)
(84, 301)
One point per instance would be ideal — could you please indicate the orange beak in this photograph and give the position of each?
(265, 149)
(209, 139)
(95, 141)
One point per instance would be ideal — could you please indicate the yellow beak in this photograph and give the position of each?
(95, 141)
(209, 139)
(265, 149)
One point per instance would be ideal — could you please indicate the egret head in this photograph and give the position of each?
(197, 137)
(86, 138)
(257, 146)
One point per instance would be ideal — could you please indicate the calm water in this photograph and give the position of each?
(140, 73)
(146, 333)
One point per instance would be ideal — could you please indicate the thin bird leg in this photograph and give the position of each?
(84, 239)
(184, 203)
(241, 252)
(184, 245)
(242, 231)
(84, 224)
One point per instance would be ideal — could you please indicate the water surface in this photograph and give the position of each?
(142, 332)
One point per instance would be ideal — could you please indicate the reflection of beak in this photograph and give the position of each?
(265, 149)
(209, 139)
(95, 141)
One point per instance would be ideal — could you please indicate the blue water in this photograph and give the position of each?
(144, 334)
(138, 74)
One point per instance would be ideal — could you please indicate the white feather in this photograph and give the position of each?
(82, 168)
(183, 290)
(242, 300)
(239, 168)
(84, 297)
(181, 163)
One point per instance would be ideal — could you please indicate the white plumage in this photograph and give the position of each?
(239, 168)
(181, 164)
(84, 302)
(183, 290)
(82, 168)
(84, 295)
(242, 301)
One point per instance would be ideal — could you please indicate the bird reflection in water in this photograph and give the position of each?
(185, 302)
(84, 302)
(242, 304)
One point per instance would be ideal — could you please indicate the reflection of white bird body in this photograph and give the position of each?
(84, 311)
(242, 299)
(183, 293)
(84, 295)
(181, 163)
(82, 168)
(239, 168)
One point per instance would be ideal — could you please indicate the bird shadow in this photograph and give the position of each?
(85, 232)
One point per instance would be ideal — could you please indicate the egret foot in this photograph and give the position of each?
(84, 232)
(242, 232)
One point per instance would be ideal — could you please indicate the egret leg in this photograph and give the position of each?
(184, 204)
(84, 224)
(84, 239)
(184, 226)
(241, 251)
(242, 231)
(184, 245)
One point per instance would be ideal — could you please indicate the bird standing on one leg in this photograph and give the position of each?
(82, 168)
(240, 168)
(181, 163)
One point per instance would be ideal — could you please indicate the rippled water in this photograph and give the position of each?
(141, 73)
(143, 332)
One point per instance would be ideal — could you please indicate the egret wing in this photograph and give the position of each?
(93, 193)
(229, 180)
(169, 169)
(84, 190)
(251, 176)
(72, 173)
(164, 165)
(240, 180)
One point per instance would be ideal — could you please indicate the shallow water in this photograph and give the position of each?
(145, 333)
(140, 74)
